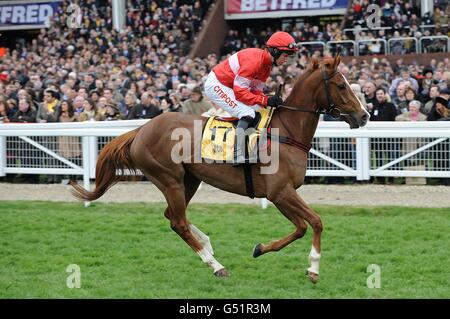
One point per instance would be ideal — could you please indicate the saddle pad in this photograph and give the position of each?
(218, 137)
(218, 140)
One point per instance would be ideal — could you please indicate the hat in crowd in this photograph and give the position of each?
(198, 90)
(443, 101)
(445, 91)
(4, 76)
(93, 91)
(113, 105)
(51, 90)
(427, 70)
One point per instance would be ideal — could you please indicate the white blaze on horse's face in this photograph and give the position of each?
(348, 84)
(365, 117)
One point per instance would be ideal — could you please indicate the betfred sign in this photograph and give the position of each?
(16, 15)
(255, 9)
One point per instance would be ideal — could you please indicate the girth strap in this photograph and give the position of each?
(249, 180)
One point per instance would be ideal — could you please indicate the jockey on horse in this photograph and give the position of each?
(237, 83)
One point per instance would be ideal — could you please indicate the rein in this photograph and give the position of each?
(289, 141)
(331, 110)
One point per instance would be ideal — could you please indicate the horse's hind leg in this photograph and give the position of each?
(191, 184)
(176, 213)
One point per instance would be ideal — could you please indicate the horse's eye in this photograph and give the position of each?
(341, 86)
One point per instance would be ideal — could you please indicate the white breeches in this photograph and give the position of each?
(224, 97)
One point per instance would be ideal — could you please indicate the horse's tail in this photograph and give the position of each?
(114, 156)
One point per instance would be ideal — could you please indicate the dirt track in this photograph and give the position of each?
(366, 195)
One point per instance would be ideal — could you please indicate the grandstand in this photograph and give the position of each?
(112, 57)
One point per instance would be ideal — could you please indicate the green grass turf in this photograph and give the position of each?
(129, 251)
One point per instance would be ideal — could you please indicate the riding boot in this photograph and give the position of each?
(239, 140)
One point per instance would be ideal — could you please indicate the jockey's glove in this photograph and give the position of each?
(274, 101)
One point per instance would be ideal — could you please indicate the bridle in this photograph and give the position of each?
(331, 108)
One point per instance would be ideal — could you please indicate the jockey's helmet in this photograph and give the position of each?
(281, 42)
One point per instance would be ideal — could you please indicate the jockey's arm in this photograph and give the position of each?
(244, 91)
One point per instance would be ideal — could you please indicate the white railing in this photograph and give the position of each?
(379, 149)
(401, 41)
(443, 39)
(364, 44)
(387, 47)
(344, 44)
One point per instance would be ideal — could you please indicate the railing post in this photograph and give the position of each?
(2, 155)
(86, 166)
(93, 154)
(362, 158)
(264, 203)
(366, 157)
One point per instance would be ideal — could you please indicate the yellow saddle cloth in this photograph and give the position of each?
(218, 136)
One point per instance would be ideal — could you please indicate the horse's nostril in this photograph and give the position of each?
(364, 117)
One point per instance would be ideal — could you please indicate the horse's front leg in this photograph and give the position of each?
(297, 211)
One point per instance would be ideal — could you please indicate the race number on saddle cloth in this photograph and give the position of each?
(218, 137)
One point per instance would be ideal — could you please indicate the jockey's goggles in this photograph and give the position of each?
(290, 49)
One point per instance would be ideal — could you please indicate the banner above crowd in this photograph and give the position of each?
(28, 14)
(257, 9)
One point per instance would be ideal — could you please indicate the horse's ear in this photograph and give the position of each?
(337, 60)
(315, 63)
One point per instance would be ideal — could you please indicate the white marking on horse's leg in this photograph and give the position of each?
(314, 259)
(207, 258)
(202, 238)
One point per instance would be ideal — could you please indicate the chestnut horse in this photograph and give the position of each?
(320, 89)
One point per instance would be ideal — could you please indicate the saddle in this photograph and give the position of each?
(218, 137)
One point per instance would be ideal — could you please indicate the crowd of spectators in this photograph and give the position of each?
(103, 74)
(398, 19)
(94, 73)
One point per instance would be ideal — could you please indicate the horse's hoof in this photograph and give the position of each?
(313, 277)
(222, 273)
(257, 251)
